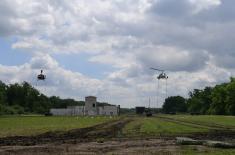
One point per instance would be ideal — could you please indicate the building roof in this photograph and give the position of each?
(90, 97)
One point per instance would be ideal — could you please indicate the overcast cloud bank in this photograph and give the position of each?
(191, 39)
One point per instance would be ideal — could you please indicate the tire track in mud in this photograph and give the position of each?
(108, 147)
(109, 129)
(215, 132)
(196, 124)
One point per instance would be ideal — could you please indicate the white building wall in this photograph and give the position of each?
(91, 112)
(60, 112)
(89, 109)
(110, 110)
(76, 110)
(70, 111)
(90, 106)
(100, 110)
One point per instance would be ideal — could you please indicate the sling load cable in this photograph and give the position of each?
(166, 88)
(162, 75)
(41, 78)
(157, 92)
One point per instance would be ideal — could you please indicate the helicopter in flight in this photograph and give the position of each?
(41, 76)
(162, 75)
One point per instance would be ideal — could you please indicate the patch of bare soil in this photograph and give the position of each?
(104, 138)
(105, 130)
(151, 146)
(217, 132)
(226, 136)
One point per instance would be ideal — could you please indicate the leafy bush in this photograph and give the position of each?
(6, 110)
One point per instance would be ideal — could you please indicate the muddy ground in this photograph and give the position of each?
(107, 147)
(105, 130)
(217, 132)
(104, 138)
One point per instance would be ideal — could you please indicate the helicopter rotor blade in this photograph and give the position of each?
(157, 69)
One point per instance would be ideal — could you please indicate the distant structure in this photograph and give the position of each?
(140, 110)
(91, 108)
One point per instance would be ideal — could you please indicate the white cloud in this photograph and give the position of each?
(191, 39)
(172, 58)
(201, 5)
(43, 61)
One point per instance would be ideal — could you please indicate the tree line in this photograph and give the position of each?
(25, 99)
(217, 100)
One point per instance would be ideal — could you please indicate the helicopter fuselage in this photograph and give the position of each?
(41, 77)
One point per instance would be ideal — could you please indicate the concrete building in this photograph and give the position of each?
(91, 108)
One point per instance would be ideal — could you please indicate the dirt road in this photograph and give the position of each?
(104, 138)
(105, 130)
(107, 147)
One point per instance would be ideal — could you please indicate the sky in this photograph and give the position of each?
(105, 48)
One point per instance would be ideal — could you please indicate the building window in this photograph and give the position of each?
(93, 105)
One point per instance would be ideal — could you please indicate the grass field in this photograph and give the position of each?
(153, 126)
(192, 150)
(131, 127)
(177, 124)
(139, 126)
(170, 125)
(32, 125)
(225, 121)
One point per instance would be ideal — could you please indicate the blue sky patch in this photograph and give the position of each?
(11, 57)
(80, 63)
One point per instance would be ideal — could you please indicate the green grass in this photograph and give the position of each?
(32, 125)
(142, 126)
(225, 121)
(195, 150)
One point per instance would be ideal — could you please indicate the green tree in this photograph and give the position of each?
(175, 104)
(3, 98)
(19, 98)
(15, 95)
(230, 98)
(219, 95)
(200, 100)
